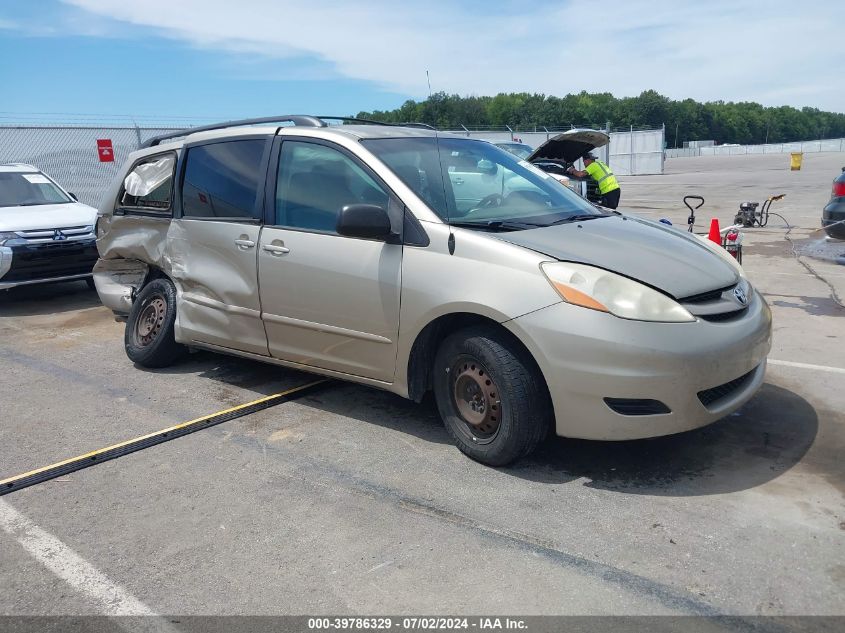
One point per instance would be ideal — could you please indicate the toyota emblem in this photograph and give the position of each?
(740, 295)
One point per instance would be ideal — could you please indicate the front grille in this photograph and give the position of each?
(707, 297)
(65, 233)
(723, 316)
(709, 396)
(717, 305)
(636, 406)
(49, 260)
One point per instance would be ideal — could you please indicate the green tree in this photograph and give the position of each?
(686, 120)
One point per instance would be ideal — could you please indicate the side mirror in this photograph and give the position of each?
(368, 221)
(73, 195)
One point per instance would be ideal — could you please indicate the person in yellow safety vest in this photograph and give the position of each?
(609, 189)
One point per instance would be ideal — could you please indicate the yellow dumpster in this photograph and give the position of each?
(795, 163)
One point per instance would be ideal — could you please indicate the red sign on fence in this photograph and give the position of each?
(105, 150)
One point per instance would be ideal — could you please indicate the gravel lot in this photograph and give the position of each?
(352, 500)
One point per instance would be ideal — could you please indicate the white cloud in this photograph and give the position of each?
(772, 52)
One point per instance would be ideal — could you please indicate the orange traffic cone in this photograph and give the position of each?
(714, 235)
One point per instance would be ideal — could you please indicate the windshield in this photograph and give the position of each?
(18, 189)
(517, 149)
(472, 182)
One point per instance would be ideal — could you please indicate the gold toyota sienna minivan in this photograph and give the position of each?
(408, 260)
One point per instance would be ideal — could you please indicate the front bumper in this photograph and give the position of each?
(26, 264)
(833, 218)
(587, 356)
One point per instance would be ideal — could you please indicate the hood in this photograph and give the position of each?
(570, 145)
(653, 253)
(47, 216)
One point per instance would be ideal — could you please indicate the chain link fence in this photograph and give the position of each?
(69, 154)
(822, 145)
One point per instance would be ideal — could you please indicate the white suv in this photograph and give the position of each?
(45, 233)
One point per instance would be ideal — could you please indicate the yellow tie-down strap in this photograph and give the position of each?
(39, 475)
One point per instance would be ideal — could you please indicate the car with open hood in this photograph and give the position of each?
(351, 250)
(563, 151)
(46, 235)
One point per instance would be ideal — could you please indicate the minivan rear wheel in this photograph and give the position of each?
(149, 338)
(490, 395)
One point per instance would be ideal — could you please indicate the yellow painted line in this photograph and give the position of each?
(6, 484)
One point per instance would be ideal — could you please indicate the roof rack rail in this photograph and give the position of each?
(352, 119)
(306, 120)
(296, 119)
(414, 124)
(372, 122)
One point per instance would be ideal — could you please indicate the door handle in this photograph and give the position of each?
(244, 244)
(275, 249)
(458, 181)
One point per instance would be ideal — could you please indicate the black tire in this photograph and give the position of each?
(504, 410)
(149, 340)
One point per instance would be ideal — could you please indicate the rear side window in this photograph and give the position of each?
(221, 180)
(149, 185)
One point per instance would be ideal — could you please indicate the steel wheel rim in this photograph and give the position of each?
(150, 321)
(476, 399)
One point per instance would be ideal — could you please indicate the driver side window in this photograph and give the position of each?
(315, 182)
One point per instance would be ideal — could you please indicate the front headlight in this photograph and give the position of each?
(5, 237)
(598, 289)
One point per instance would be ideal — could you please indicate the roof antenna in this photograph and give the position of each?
(451, 242)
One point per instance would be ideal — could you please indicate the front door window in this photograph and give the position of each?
(315, 182)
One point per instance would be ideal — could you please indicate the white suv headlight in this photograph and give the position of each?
(598, 289)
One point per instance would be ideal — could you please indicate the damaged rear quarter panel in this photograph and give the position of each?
(129, 245)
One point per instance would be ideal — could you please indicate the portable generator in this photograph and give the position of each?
(748, 215)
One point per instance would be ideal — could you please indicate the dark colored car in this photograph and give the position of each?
(833, 215)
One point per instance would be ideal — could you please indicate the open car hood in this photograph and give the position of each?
(569, 146)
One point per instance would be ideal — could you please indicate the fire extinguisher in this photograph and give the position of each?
(732, 242)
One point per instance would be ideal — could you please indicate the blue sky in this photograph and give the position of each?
(212, 59)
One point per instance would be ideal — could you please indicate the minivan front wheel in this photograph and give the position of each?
(490, 395)
(149, 338)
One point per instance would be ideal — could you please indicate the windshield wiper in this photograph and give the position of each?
(579, 218)
(518, 225)
(499, 225)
